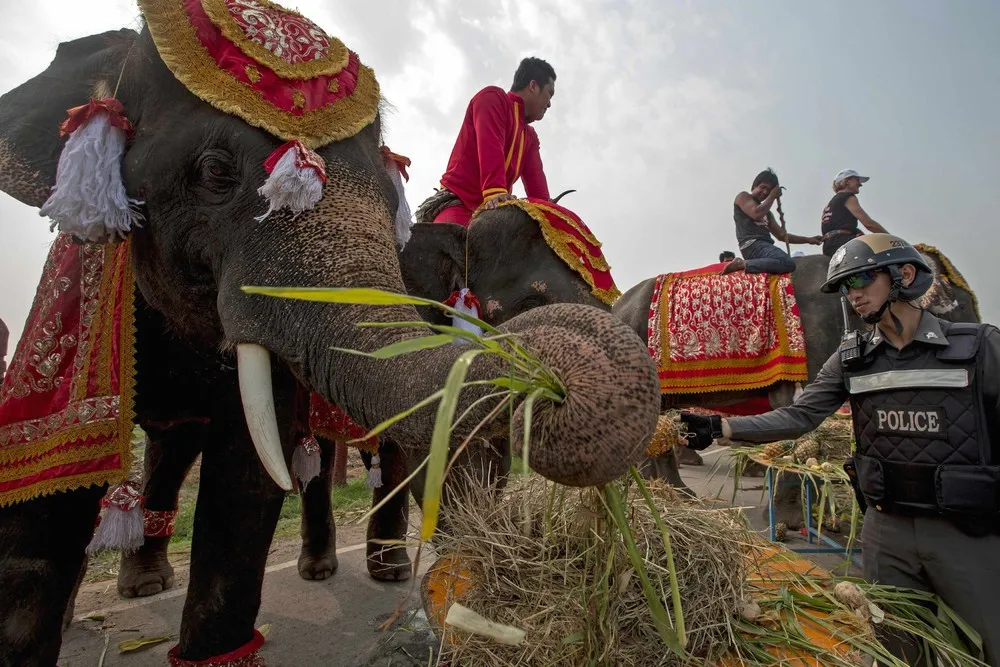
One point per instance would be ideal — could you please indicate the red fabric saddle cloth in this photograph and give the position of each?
(709, 332)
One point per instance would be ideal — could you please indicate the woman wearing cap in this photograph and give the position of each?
(926, 408)
(842, 214)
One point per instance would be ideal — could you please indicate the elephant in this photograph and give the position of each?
(200, 338)
(822, 326)
(433, 264)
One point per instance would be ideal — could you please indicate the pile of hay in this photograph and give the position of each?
(551, 561)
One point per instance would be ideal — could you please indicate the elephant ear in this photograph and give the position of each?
(30, 114)
(433, 263)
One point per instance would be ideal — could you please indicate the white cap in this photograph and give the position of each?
(845, 174)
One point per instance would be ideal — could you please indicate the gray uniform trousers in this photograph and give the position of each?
(932, 554)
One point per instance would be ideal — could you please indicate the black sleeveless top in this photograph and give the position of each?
(749, 230)
(836, 216)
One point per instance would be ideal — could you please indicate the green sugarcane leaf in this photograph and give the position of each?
(440, 441)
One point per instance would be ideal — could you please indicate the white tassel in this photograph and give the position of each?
(121, 525)
(89, 199)
(404, 218)
(306, 462)
(295, 180)
(467, 310)
(375, 474)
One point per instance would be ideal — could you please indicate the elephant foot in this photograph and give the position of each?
(787, 506)
(689, 457)
(146, 571)
(388, 562)
(318, 564)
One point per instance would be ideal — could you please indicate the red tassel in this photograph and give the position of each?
(121, 526)
(468, 299)
(77, 116)
(401, 161)
(305, 158)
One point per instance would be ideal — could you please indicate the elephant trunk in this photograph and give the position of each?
(600, 428)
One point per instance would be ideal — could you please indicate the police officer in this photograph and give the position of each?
(925, 399)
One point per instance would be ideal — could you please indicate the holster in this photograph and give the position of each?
(852, 475)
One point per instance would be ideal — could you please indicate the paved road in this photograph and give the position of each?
(333, 622)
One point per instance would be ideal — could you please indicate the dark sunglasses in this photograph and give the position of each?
(859, 280)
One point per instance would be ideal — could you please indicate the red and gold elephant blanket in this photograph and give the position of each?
(66, 404)
(711, 333)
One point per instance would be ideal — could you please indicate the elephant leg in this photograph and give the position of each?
(318, 557)
(237, 511)
(170, 453)
(667, 468)
(387, 557)
(71, 605)
(42, 551)
(688, 457)
(787, 502)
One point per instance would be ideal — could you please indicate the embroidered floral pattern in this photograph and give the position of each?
(88, 411)
(295, 39)
(158, 524)
(718, 333)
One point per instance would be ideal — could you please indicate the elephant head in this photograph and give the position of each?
(197, 171)
(502, 258)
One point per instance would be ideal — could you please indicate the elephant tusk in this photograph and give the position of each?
(254, 364)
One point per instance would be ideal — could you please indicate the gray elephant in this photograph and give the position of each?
(433, 265)
(822, 325)
(201, 342)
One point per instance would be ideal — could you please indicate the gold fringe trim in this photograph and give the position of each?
(336, 58)
(51, 486)
(743, 386)
(952, 274)
(187, 59)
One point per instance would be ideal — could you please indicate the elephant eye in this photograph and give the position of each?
(216, 171)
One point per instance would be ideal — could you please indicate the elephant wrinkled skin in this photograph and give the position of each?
(198, 170)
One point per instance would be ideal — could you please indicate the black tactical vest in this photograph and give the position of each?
(923, 442)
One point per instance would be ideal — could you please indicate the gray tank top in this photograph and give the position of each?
(749, 230)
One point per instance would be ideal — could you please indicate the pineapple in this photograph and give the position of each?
(774, 450)
(806, 449)
(780, 531)
(667, 435)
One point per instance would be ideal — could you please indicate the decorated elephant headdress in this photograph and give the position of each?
(269, 66)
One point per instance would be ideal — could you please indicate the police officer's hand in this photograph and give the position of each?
(701, 430)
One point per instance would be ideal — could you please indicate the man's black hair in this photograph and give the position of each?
(532, 69)
(727, 256)
(767, 176)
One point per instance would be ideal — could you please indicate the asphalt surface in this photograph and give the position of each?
(333, 622)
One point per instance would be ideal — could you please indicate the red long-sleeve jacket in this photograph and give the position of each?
(494, 148)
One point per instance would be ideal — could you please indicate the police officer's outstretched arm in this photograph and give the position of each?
(820, 399)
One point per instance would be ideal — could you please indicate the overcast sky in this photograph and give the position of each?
(663, 112)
